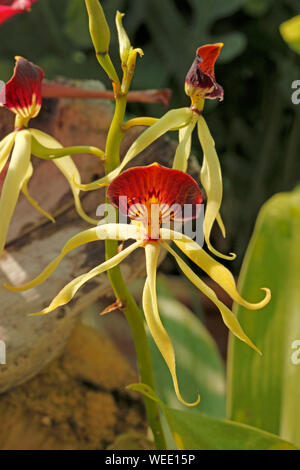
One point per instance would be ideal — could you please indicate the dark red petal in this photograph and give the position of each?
(9, 8)
(201, 76)
(22, 93)
(154, 184)
(209, 54)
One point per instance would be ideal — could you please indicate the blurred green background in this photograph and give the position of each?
(256, 128)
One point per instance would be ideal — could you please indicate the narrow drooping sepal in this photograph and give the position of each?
(136, 190)
(211, 180)
(200, 79)
(10, 8)
(157, 330)
(68, 292)
(94, 234)
(228, 317)
(22, 93)
(13, 182)
(219, 273)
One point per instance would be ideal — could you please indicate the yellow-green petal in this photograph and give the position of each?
(6, 145)
(153, 320)
(102, 232)
(228, 317)
(13, 182)
(68, 292)
(30, 199)
(219, 273)
(68, 169)
(221, 224)
(211, 179)
(172, 119)
(124, 43)
(184, 147)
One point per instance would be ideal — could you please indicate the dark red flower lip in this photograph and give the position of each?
(22, 93)
(175, 193)
(10, 8)
(201, 75)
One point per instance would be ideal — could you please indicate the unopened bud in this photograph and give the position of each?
(99, 29)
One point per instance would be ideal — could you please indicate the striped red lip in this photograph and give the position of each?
(135, 191)
(22, 93)
(202, 72)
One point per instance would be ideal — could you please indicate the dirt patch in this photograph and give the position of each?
(78, 402)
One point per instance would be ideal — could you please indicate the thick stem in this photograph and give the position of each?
(130, 309)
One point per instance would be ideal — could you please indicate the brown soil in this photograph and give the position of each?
(78, 402)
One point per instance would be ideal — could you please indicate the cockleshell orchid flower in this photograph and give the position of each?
(10, 8)
(151, 196)
(200, 85)
(22, 95)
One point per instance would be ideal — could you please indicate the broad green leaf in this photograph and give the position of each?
(193, 431)
(196, 431)
(265, 391)
(199, 365)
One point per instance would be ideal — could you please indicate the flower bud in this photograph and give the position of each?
(99, 29)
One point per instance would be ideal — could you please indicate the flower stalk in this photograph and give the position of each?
(130, 309)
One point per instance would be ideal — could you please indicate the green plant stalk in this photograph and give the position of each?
(132, 312)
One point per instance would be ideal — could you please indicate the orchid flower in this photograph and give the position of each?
(9, 8)
(22, 95)
(200, 84)
(151, 196)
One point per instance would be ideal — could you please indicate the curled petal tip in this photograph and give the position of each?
(195, 403)
(268, 296)
(256, 305)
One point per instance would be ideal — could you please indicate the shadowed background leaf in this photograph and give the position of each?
(265, 391)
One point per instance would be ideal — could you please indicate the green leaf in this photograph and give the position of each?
(199, 366)
(193, 431)
(265, 391)
(196, 431)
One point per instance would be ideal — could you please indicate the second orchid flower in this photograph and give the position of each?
(22, 96)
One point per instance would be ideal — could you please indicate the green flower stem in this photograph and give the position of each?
(50, 153)
(130, 308)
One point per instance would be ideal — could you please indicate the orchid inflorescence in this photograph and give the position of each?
(149, 196)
